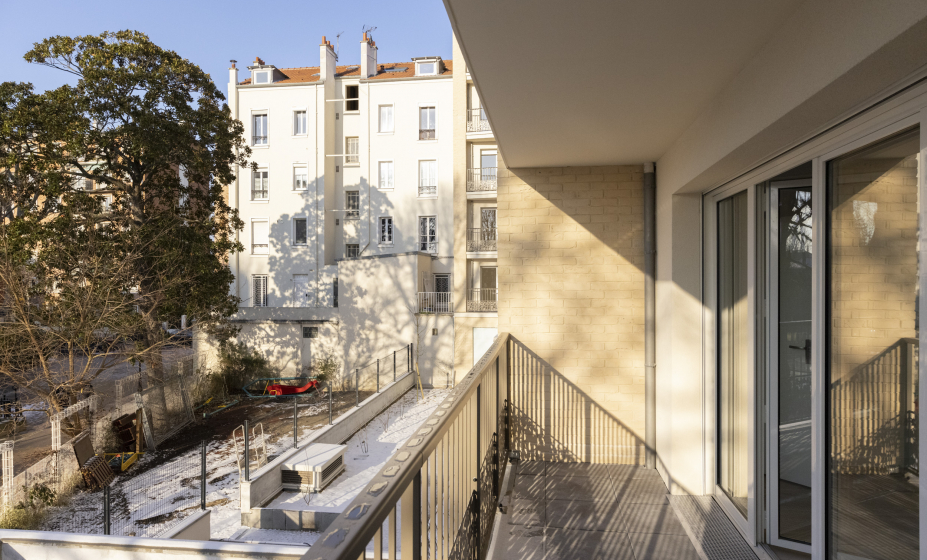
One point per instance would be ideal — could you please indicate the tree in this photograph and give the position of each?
(151, 130)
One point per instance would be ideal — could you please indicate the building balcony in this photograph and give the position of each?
(481, 180)
(477, 121)
(483, 300)
(428, 190)
(435, 302)
(481, 240)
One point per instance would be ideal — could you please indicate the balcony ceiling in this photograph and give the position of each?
(597, 82)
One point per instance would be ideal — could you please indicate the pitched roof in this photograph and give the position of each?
(387, 71)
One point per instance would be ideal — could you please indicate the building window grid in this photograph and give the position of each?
(259, 131)
(300, 179)
(352, 204)
(311, 332)
(386, 230)
(299, 123)
(386, 118)
(351, 250)
(427, 234)
(386, 175)
(259, 185)
(426, 123)
(352, 98)
(352, 149)
(260, 237)
(300, 231)
(259, 290)
(427, 178)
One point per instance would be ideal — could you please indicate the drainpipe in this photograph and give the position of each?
(650, 347)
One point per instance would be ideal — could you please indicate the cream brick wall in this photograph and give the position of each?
(571, 291)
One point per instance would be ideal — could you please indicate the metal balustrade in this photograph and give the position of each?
(481, 240)
(477, 121)
(426, 134)
(427, 190)
(482, 180)
(483, 299)
(435, 302)
(437, 495)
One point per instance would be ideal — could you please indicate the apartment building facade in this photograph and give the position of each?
(348, 210)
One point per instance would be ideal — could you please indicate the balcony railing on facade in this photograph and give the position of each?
(442, 487)
(427, 190)
(428, 244)
(477, 121)
(481, 180)
(481, 240)
(483, 300)
(435, 302)
(259, 248)
(259, 194)
(258, 140)
(426, 134)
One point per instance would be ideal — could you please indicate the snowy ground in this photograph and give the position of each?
(167, 486)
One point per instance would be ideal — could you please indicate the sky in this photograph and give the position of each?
(209, 34)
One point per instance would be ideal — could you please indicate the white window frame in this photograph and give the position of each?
(347, 246)
(253, 244)
(263, 73)
(422, 239)
(392, 175)
(294, 220)
(351, 159)
(255, 113)
(346, 99)
(305, 112)
(434, 68)
(253, 179)
(347, 211)
(254, 297)
(420, 185)
(418, 122)
(380, 237)
(297, 170)
(392, 119)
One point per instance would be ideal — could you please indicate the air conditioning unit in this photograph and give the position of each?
(314, 468)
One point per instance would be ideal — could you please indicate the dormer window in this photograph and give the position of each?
(262, 77)
(428, 66)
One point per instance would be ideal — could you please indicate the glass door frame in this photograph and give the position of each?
(747, 527)
(895, 116)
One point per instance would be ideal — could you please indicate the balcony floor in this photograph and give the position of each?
(591, 511)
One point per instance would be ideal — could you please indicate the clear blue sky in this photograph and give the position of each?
(210, 33)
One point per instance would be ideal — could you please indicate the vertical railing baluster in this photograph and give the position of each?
(391, 537)
(377, 544)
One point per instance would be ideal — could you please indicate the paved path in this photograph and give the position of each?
(593, 512)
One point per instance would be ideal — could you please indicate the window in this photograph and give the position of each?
(301, 290)
(352, 98)
(300, 178)
(259, 185)
(259, 291)
(107, 202)
(261, 77)
(299, 122)
(386, 230)
(88, 184)
(335, 292)
(386, 175)
(426, 68)
(351, 150)
(351, 250)
(426, 123)
(310, 332)
(427, 234)
(259, 237)
(427, 178)
(259, 130)
(352, 204)
(300, 231)
(386, 118)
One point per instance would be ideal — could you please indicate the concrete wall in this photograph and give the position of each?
(48, 545)
(195, 527)
(572, 296)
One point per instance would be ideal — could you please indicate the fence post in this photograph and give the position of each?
(106, 511)
(330, 404)
(394, 365)
(247, 453)
(295, 422)
(378, 375)
(203, 476)
(356, 387)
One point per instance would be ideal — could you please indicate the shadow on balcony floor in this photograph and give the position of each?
(590, 511)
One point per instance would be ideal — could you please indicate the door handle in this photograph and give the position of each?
(806, 348)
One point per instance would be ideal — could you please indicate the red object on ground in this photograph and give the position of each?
(290, 389)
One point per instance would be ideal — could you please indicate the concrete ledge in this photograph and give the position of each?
(30, 545)
(195, 527)
(266, 482)
(288, 520)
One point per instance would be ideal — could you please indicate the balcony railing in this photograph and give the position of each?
(427, 190)
(258, 194)
(481, 240)
(435, 302)
(259, 248)
(481, 180)
(426, 134)
(258, 140)
(427, 244)
(483, 299)
(352, 158)
(442, 487)
(477, 121)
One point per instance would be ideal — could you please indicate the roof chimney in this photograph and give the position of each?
(368, 57)
(258, 61)
(327, 60)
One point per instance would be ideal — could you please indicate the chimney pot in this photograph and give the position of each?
(324, 42)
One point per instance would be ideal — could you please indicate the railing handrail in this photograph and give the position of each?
(387, 357)
(479, 111)
(479, 231)
(347, 538)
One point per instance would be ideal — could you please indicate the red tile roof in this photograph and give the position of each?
(311, 73)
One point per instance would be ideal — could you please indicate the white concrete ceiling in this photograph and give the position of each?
(597, 82)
